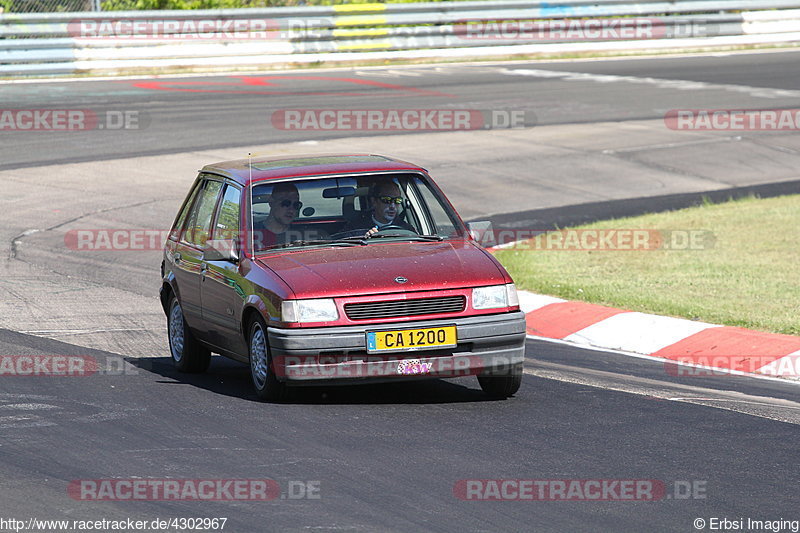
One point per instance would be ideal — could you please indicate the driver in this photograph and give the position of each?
(385, 200)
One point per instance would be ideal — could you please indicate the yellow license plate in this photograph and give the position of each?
(401, 340)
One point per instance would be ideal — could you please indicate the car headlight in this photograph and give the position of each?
(318, 310)
(495, 296)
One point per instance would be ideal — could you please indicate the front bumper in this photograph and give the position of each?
(487, 345)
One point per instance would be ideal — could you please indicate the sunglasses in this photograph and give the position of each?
(287, 203)
(390, 199)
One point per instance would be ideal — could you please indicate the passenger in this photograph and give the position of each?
(284, 205)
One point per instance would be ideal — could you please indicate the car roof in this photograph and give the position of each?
(244, 171)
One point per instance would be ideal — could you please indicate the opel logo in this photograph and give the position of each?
(400, 279)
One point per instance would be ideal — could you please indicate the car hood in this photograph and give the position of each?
(372, 269)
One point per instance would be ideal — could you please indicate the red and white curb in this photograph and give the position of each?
(680, 343)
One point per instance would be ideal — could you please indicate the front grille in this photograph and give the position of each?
(401, 308)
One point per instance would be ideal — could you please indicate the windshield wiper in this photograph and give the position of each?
(397, 236)
(353, 241)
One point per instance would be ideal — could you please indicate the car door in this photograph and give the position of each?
(222, 293)
(188, 255)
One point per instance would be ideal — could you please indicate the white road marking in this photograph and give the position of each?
(31, 424)
(680, 85)
(29, 406)
(693, 142)
(393, 73)
(78, 331)
(761, 406)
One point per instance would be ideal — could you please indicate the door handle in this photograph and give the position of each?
(177, 257)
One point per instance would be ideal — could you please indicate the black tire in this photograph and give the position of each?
(187, 353)
(262, 370)
(502, 386)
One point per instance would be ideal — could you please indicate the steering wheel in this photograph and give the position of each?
(348, 234)
(395, 227)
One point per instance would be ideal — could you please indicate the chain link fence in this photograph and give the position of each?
(60, 6)
(48, 6)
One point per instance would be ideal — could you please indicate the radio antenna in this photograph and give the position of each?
(250, 166)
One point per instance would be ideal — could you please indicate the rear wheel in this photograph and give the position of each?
(187, 353)
(503, 385)
(262, 370)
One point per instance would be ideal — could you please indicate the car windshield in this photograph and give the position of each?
(349, 211)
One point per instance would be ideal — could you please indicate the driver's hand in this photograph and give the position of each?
(372, 231)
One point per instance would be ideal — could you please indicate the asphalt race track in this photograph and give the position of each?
(387, 458)
(198, 113)
(395, 457)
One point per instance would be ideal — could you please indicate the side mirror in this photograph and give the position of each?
(482, 232)
(221, 250)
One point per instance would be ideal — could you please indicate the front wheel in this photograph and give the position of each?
(187, 353)
(504, 385)
(262, 370)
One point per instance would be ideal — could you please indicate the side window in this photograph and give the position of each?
(443, 224)
(227, 226)
(174, 234)
(199, 223)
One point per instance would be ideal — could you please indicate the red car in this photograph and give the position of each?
(335, 269)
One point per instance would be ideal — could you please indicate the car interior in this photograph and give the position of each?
(329, 211)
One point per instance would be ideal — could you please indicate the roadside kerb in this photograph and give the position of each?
(677, 341)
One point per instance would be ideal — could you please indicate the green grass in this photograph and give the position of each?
(749, 277)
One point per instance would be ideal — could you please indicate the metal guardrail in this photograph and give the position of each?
(119, 42)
